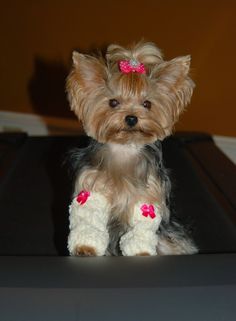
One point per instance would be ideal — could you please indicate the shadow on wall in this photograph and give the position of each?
(47, 88)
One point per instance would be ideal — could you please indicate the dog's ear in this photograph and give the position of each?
(173, 83)
(87, 76)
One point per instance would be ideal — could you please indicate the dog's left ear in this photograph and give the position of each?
(174, 86)
(90, 70)
(87, 76)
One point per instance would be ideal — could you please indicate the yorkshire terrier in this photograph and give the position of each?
(128, 102)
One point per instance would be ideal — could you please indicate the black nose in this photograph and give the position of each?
(131, 120)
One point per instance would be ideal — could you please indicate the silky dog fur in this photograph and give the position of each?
(127, 116)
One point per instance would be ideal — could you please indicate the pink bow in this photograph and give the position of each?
(148, 210)
(127, 66)
(82, 197)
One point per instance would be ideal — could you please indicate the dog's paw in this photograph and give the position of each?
(143, 254)
(138, 242)
(85, 250)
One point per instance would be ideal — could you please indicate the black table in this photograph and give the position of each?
(38, 281)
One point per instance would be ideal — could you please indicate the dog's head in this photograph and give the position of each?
(131, 96)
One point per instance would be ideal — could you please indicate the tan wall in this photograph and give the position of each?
(37, 38)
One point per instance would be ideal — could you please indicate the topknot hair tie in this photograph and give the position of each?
(132, 65)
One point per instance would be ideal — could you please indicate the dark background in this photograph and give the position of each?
(37, 38)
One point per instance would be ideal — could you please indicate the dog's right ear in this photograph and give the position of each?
(87, 76)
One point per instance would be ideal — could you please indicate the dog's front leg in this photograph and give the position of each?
(142, 239)
(88, 235)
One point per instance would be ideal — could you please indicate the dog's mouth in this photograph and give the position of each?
(131, 135)
(135, 132)
(132, 130)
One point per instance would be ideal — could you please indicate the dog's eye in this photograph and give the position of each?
(147, 104)
(113, 103)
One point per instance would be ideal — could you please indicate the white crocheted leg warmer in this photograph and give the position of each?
(142, 237)
(88, 222)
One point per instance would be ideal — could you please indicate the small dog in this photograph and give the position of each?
(128, 102)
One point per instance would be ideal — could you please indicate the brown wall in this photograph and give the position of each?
(37, 38)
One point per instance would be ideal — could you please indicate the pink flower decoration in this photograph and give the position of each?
(127, 66)
(82, 197)
(148, 210)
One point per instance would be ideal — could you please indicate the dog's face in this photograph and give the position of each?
(129, 108)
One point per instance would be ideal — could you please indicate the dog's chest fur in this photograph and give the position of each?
(126, 174)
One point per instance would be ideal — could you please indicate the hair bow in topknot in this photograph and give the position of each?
(132, 65)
